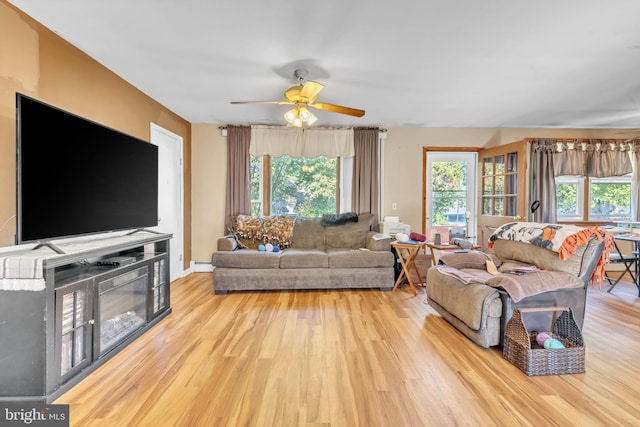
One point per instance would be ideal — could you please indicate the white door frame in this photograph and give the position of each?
(471, 157)
(171, 210)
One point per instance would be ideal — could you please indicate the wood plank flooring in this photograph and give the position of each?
(351, 358)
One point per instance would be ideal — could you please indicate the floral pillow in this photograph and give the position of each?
(251, 231)
(248, 230)
(278, 230)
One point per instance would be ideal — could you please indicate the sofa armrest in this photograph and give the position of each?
(377, 245)
(227, 243)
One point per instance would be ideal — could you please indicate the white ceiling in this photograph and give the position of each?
(464, 63)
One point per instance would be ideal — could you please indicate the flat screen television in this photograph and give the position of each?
(76, 177)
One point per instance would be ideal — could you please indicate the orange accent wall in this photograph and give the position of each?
(37, 62)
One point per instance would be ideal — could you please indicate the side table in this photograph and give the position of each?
(407, 253)
(443, 247)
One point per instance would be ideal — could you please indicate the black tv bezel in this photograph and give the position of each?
(19, 240)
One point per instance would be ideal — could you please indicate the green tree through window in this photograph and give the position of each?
(449, 192)
(302, 186)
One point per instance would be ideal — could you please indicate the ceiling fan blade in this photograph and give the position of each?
(261, 102)
(310, 90)
(338, 109)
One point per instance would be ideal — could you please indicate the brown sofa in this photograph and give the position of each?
(479, 306)
(317, 255)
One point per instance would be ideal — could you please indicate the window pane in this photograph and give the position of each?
(500, 164)
(486, 205)
(487, 185)
(511, 204)
(305, 187)
(610, 200)
(499, 185)
(567, 200)
(499, 207)
(512, 183)
(256, 179)
(487, 166)
(449, 191)
(512, 162)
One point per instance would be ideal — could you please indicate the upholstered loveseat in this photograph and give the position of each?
(479, 304)
(314, 254)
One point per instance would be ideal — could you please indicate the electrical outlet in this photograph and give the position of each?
(394, 206)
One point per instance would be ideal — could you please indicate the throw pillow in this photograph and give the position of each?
(249, 230)
(278, 230)
(332, 220)
(471, 259)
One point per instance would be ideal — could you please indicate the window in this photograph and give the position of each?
(593, 199)
(570, 197)
(294, 185)
(500, 184)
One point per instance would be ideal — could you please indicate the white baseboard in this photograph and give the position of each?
(200, 267)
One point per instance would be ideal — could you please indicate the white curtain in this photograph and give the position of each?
(278, 141)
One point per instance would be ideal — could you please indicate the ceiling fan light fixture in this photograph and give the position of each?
(304, 113)
(291, 115)
(299, 115)
(312, 119)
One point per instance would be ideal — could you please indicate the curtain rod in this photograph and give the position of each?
(223, 127)
(584, 139)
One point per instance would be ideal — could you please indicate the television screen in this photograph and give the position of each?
(77, 177)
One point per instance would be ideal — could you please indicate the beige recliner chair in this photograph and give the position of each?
(479, 305)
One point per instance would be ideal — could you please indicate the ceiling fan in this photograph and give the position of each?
(302, 96)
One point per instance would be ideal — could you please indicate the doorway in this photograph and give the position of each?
(449, 206)
(170, 194)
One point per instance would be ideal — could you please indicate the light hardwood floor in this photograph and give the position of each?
(351, 358)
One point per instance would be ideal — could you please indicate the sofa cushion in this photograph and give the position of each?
(246, 258)
(471, 259)
(543, 258)
(355, 258)
(349, 236)
(304, 258)
(308, 233)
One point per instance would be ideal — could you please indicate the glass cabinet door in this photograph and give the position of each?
(74, 326)
(500, 185)
(160, 288)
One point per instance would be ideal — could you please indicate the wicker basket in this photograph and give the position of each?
(521, 348)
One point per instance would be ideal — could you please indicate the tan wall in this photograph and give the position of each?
(38, 63)
(402, 172)
(403, 158)
(209, 182)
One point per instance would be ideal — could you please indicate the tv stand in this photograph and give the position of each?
(49, 245)
(68, 314)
